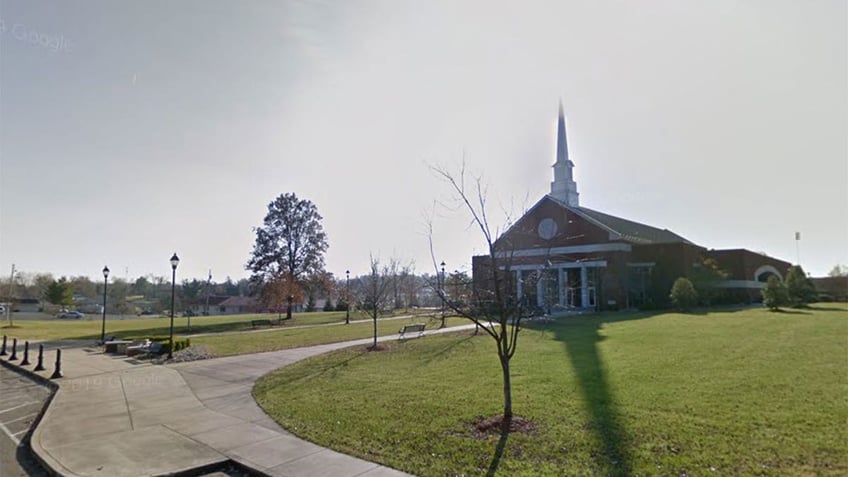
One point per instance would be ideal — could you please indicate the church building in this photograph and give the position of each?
(562, 256)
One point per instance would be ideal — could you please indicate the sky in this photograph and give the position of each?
(133, 130)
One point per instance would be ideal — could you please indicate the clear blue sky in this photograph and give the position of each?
(130, 130)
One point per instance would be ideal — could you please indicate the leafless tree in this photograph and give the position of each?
(376, 289)
(493, 305)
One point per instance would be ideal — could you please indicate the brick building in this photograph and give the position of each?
(561, 255)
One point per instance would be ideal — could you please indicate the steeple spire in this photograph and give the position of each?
(563, 187)
(562, 141)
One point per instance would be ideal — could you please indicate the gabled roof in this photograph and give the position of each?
(619, 229)
(629, 230)
(239, 301)
(214, 300)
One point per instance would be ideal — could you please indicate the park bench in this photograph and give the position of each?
(416, 328)
(148, 349)
(255, 323)
(139, 347)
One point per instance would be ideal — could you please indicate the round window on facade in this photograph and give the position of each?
(547, 228)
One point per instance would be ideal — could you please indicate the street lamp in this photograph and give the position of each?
(347, 297)
(175, 260)
(456, 293)
(442, 292)
(103, 326)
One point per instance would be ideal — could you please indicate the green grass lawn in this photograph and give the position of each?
(721, 393)
(89, 327)
(286, 338)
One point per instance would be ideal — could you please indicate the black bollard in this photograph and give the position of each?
(14, 356)
(25, 362)
(57, 373)
(40, 365)
(3, 351)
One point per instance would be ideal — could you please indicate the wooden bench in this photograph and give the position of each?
(416, 328)
(255, 323)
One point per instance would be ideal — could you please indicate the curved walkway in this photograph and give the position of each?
(122, 417)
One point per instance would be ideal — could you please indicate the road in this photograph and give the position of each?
(22, 399)
(27, 315)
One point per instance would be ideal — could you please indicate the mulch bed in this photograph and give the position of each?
(491, 426)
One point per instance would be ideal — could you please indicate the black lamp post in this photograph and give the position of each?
(103, 325)
(347, 297)
(442, 292)
(456, 297)
(175, 260)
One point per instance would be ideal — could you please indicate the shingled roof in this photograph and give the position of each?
(629, 230)
(623, 229)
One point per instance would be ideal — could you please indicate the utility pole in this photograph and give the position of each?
(11, 290)
(208, 284)
(797, 248)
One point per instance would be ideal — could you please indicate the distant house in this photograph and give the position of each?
(27, 305)
(235, 305)
(199, 306)
(226, 305)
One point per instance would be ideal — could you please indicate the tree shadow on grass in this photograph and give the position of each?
(441, 352)
(499, 450)
(787, 311)
(826, 308)
(581, 336)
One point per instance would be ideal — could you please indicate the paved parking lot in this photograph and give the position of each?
(21, 399)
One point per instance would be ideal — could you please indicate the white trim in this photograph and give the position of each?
(554, 266)
(764, 269)
(543, 252)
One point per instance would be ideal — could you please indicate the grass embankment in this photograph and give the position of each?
(89, 327)
(722, 393)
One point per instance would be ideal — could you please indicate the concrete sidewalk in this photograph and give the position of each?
(115, 416)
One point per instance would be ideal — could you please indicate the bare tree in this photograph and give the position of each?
(492, 305)
(376, 289)
(409, 285)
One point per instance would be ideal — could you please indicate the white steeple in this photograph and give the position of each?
(563, 187)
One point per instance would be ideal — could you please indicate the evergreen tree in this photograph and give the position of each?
(59, 292)
(683, 295)
(799, 287)
(774, 294)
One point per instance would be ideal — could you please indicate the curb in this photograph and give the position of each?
(36, 450)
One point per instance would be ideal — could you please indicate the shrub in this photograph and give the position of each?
(683, 295)
(775, 294)
(799, 288)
